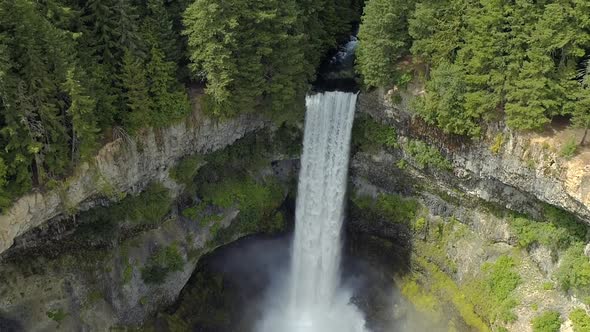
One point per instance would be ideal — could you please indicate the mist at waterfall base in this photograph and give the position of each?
(311, 298)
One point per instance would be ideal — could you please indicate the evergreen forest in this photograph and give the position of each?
(75, 74)
(519, 61)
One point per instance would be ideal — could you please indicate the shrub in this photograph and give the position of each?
(191, 213)
(369, 135)
(574, 270)
(256, 201)
(562, 219)
(127, 273)
(569, 148)
(401, 164)
(391, 207)
(559, 231)
(580, 320)
(150, 206)
(226, 182)
(498, 143)
(420, 225)
(493, 291)
(549, 321)
(277, 223)
(186, 169)
(162, 262)
(57, 315)
(501, 280)
(427, 156)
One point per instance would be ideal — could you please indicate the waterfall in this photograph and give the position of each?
(315, 300)
(320, 198)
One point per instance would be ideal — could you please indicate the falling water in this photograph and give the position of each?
(315, 300)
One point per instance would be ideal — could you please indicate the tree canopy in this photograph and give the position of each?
(485, 58)
(261, 53)
(72, 72)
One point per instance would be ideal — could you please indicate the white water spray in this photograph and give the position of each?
(316, 301)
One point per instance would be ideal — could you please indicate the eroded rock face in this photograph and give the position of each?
(102, 288)
(503, 167)
(124, 166)
(102, 278)
(502, 170)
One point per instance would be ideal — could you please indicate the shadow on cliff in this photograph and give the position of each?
(9, 325)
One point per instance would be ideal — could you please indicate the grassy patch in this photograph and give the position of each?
(192, 213)
(186, 169)
(569, 148)
(422, 300)
(437, 293)
(256, 201)
(573, 273)
(127, 273)
(161, 263)
(492, 291)
(498, 143)
(148, 207)
(559, 230)
(488, 295)
(94, 296)
(580, 320)
(426, 155)
(389, 207)
(549, 321)
(57, 315)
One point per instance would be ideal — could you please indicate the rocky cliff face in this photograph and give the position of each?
(467, 192)
(125, 165)
(106, 269)
(503, 167)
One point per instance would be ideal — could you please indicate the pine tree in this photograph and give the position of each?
(159, 31)
(252, 53)
(81, 111)
(212, 29)
(135, 93)
(383, 39)
(170, 101)
(581, 111)
(436, 27)
(114, 29)
(443, 104)
(482, 57)
(34, 117)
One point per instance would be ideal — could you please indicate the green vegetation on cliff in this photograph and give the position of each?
(558, 230)
(580, 320)
(573, 273)
(426, 155)
(369, 135)
(146, 209)
(161, 263)
(549, 321)
(226, 182)
(388, 207)
(483, 60)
